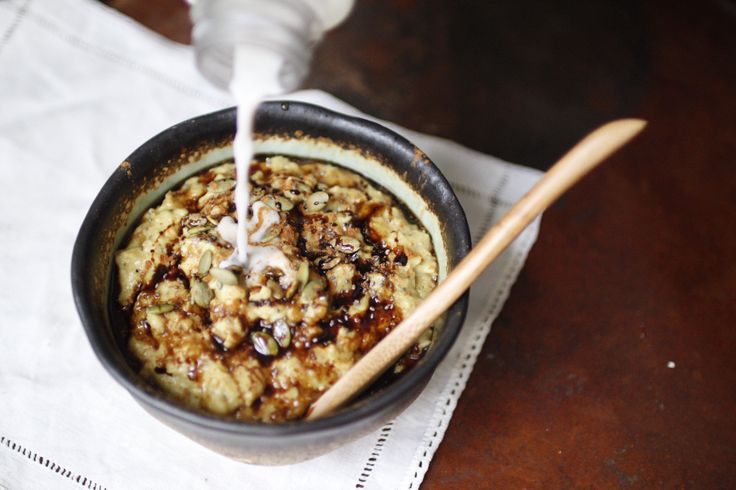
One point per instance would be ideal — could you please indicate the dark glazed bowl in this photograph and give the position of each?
(287, 128)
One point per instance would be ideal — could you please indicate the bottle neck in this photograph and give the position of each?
(284, 29)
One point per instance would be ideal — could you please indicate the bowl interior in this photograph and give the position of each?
(291, 129)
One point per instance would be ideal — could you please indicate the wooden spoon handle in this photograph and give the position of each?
(577, 162)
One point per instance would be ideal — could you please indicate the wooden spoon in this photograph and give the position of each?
(581, 159)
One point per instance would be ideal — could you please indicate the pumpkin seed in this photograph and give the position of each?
(194, 219)
(316, 201)
(302, 275)
(347, 245)
(271, 233)
(225, 276)
(162, 308)
(311, 291)
(201, 294)
(197, 230)
(327, 263)
(205, 262)
(264, 344)
(284, 204)
(269, 201)
(220, 186)
(303, 188)
(282, 333)
(292, 289)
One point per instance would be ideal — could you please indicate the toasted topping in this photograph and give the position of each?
(225, 276)
(316, 201)
(205, 262)
(264, 344)
(334, 264)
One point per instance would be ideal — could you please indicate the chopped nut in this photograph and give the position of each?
(260, 293)
(275, 288)
(256, 193)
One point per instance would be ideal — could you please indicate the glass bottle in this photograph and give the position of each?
(285, 30)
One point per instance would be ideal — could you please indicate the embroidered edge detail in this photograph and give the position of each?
(46, 462)
(20, 14)
(375, 453)
(446, 405)
(449, 402)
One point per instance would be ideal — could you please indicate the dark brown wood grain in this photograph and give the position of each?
(634, 268)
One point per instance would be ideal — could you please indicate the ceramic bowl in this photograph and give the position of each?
(292, 129)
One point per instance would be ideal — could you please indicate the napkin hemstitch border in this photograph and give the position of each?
(53, 466)
(467, 360)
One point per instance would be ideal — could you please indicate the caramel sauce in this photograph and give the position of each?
(366, 328)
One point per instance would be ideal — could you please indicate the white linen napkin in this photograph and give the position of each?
(81, 86)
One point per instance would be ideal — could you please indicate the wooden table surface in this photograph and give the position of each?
(634, 269)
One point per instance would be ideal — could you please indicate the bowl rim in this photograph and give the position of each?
(377, 403)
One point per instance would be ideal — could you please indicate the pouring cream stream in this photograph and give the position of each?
(255, 76)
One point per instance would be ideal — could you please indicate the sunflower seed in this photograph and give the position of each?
(282, 333)
(205, 262)
(347, 245)
(201, 294)
(264, 344)
(225, 276)
(162, 308)
(316, 201)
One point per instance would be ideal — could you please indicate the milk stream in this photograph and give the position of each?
(255, 76)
